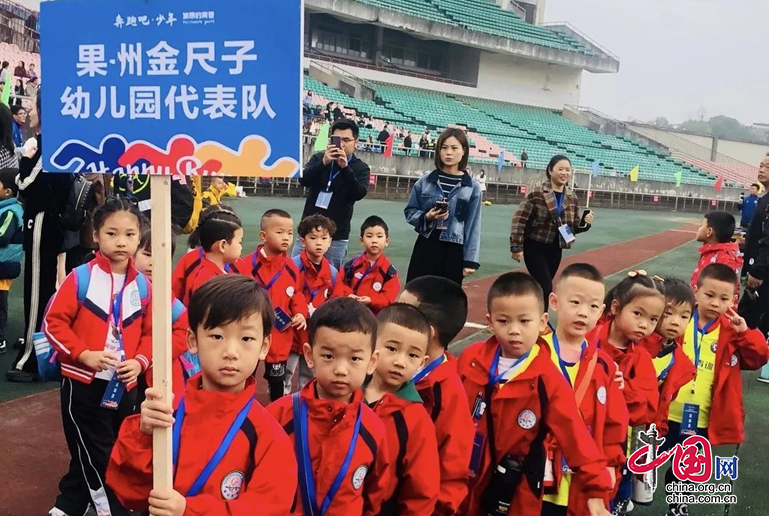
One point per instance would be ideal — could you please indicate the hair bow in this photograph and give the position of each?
(637, 272)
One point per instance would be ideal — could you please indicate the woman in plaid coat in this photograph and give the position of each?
(545, 224)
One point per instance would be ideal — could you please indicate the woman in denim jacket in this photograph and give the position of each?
(449, 241)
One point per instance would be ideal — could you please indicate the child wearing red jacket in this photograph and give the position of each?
(519, 396)
(402, 339)
(665, 345)
(184, 365)
(221, 239)
(103, 343)
(445, 305)
(720, 345)
(370, 277)
(270, 266)
(716, 233)
(194, 256)
(256, 474)
(341, 445)
(319, 280)
(592, 375)
(635, 306)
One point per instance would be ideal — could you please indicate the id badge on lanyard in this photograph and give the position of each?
(115, 388)
(566, 233)
(324, 197)
(691, 415)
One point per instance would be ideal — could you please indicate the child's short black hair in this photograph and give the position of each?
(678, 292)
(372, 222)
(229, 298)
(145, 241)
(194, 238)
(8, 179)
(515, 284)
(723, 224)
(584, 271)
(718, 272)
(756, 186)
(283, 214)
(316, 221)
(115, 205)
(636, 284)
(443, 302)
(345, 315)
(221, 225)
(408, 316)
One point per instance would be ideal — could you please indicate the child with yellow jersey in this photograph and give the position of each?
(719, 343)
(578, 301)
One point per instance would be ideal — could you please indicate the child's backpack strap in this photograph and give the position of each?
(83, 279)
(348, 271)
(144, 291)
(390, 507)
(298, 262)
(334, 274)
(390, 274)
(177, 309)
(249, 431)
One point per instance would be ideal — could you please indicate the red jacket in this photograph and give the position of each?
(205, 271)
(184, 269)
(413, 453)
(330, 431)
(381, 284)
(317, 287)
(259, 462)
(445, 401)
(734, 352)
(72, 327)
(641, 393)
(540, 391)
(728, 254)
(604, 412)
(285, 293)
(681, 372)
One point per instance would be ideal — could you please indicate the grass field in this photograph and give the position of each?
(610, 227)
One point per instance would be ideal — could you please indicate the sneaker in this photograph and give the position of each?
(621, 508)
(679, 510)
(630, 506)
(3, 346)
(19, 345)
(16, 376)
(762, 380)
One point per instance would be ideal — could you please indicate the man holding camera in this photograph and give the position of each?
(336, 180)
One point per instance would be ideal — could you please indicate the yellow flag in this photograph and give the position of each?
(634, 173)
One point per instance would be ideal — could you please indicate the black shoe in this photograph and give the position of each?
(678, 510)
(3, 346)
(19, 345)
(16, 376)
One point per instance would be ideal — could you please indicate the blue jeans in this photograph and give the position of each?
(335, 255)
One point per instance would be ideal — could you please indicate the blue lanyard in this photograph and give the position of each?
(559, 203)
(220, 451)
(368, 271)
(117, 311)
(331, 177)
(697, 333)
(269, 285)
(664, 373)
(494, 378)
(429, 368)
(561, 362)
(306, 475)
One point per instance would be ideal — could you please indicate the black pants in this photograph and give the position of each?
(275, 374)
(542, 262)
(672, 438)
(432, 257)
(755, 309)
(90, 432)
(551, 509)
(42, 244)
(3, 314)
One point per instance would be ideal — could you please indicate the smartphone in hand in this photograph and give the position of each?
(442, 205)
(336, 141)
(582, 222)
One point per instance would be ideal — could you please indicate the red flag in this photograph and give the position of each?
(719, 183)
(389, 146)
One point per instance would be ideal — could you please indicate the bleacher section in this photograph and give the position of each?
(482, 16)
(743, 174)
(496, 125)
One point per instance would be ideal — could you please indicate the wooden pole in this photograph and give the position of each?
(161, 322)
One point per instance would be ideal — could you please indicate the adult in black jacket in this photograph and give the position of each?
(754, 304)
(336, 179)
(45, 197)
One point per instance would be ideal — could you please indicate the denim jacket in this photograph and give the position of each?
(464, 222)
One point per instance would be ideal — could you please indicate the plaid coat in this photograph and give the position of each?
(536, 218)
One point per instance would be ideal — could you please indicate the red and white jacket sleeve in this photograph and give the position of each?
(752, 349)
(129, 472)
(615, 427)
(59, 319)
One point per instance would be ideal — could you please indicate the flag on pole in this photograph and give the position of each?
(596, 169)
(501, 160)
(388, 152)
(678, 175)
(634, 173)
(7, 91)
(321, 141)
(719, 183)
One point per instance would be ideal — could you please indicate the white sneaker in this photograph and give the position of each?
(763, 380)
(57, 512)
